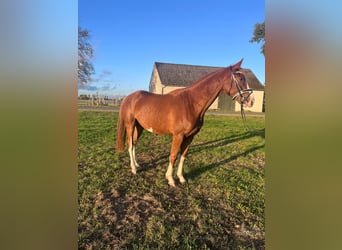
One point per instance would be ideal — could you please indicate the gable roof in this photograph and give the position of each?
(184, 75)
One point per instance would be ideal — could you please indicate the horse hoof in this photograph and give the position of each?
(172, 184)
(181, 179)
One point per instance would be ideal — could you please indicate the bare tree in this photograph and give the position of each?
(85, 55)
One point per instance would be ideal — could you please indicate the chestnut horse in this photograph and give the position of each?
(179, 113)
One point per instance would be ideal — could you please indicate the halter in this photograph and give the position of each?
(240, 93)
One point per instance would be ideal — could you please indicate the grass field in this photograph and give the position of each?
(221, 206)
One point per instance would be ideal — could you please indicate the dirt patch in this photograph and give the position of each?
(124, 214)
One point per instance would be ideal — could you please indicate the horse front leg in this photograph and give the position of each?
(176, 143)
(184, 150)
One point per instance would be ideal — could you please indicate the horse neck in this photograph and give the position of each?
(204, 92)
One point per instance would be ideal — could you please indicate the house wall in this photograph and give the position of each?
(257, 106)
(225, 103)
(155, 83)
(168, 89)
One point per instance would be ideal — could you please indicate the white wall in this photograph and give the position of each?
(257, 107)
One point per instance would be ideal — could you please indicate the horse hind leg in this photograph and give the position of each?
(131, 149)
(132, 137)
(138, 129)
(133, 134)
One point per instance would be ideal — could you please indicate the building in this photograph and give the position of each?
(167, 77)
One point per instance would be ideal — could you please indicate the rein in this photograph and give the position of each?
(243, 116)
(243, 99)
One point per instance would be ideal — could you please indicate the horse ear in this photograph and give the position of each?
(237, 65)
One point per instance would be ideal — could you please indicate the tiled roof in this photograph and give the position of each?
(184, 75)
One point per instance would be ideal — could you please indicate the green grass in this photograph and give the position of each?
(221, 206)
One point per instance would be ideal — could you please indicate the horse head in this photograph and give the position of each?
(238, 88)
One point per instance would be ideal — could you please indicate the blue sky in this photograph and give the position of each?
(128, 36)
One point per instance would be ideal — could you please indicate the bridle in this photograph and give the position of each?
(240, 90)
(243, 99)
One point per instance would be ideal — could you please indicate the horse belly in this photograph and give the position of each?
(156, 126)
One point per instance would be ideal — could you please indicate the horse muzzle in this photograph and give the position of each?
(245, 97)
(249, 102)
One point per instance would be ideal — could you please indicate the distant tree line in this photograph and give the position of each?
(87, 97)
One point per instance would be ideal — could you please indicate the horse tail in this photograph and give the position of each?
(120, 133)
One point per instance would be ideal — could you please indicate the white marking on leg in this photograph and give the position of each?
(130, 151)
(168, 175)
(180, 170)
(150, 130)
(134, 159)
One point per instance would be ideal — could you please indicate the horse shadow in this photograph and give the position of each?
(227, 140)
(198, 171)
(163, 158)
(220, 143)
